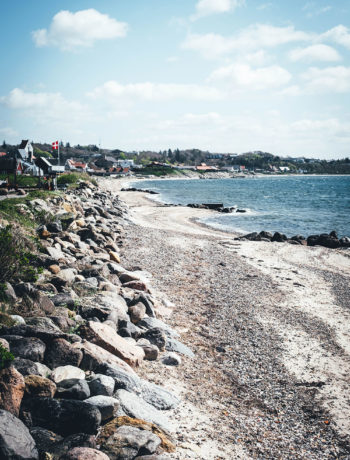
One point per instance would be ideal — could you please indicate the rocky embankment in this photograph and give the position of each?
(72, 390)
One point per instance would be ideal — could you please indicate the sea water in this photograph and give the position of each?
(289, 204)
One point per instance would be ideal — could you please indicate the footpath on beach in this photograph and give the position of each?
(148, 336)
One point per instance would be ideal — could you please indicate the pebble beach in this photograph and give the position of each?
(269, 326)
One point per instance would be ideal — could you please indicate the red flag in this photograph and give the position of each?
(55, 145)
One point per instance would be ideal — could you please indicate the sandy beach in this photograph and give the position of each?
(269, 325)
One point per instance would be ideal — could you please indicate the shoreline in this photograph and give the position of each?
(291, 295)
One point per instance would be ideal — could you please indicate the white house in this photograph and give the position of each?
(72, 165)
(26, 151)
(125, 163)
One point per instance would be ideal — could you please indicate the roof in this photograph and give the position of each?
(77, 164)
(23, 144)
(3, 154)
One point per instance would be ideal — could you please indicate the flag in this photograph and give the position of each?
(55, 145)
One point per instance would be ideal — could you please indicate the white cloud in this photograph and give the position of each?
(318, 52)
(81, 29)
(330, 128)
(8, 132)
(255, 37)
(192, 120)
(330, 79)
(208, 7)
(244, 76)
(339, 34)
(147, 91)
(45, 106)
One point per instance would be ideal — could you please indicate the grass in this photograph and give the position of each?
(72, 179)
(22, 181)
(158, 172)
(8, 210)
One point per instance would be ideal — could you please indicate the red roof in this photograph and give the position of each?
(3, 154)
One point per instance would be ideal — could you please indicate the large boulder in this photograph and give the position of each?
(35, 385)
(16, 443)
(137, 312)
(28, 367)
(107, 405)
(27, 347)
(11, 390)
(127, 442)
(105, 337)
(60, 352)
(56, 445)
(84, 453)
(63, 416)
(95, 358)
(66, 372)
(157, 336)
(178, 347)
(101, 384)
(136, 407)
(73, 389)
(150, 323)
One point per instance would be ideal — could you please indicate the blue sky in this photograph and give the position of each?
(220, 75)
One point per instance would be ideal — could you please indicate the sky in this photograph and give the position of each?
(227, 76)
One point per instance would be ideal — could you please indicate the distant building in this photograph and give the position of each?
(26, 151)
(72, 165)
(284, 169)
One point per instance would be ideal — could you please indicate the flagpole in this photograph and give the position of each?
(59, 162)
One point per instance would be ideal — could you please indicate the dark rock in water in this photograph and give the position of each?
(156, 336)
(54, 227)
(241, 210)
(333, 234)
(267, 235)
(345, 242)
(73, 389)
(254, 236)
(27, 347)
(127, 442)
(312, 240)
(299, 239)
(174, 345)
(328, 241)
(279, 237)
(16, 442)
(294, 242)
(63, 416)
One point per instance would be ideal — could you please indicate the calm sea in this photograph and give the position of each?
(290, 204)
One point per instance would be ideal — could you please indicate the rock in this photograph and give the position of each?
(60, 353)
(66, 372)
(344, 242)
(73, 389)
(63, 299)
(68, 275)
(156, 336)
(137, 286)
(107, 338)
(128, 441)
(35, 385)
(107, 405)
(28, 367)
(157, 396)
(114, 256)
(55, 253)
(44, 327)
(9, 292)
(125, 277)
(136, 407)
(54, 227)
(18, 319)
(178, 347)
(151, 351)
(122, 380)
(279, 237)
(45, 440)
(267, 235)
(95, 358)
(27, 347)
(4, 343)
(84, 453)
(16, 443)
(328, 241)
(152, 457)
(150, 323)
(11, 390)
(116, 269)
(137, 312)
(101, 385)
(63, 323)
(171, 359)
(54, 269)
(128, 329)
(63, 416)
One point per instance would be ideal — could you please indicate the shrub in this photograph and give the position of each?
(73, 178)
(5, 357)
(17, 257)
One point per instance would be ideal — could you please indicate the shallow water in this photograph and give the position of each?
(290, 204)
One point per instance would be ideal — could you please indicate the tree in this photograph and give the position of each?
(67, 145)
(4, 145)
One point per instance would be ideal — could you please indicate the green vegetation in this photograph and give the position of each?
(18, 261)
(5, 357)
(22, 181)
(158, 171)
(72, 179)
(41, 153)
